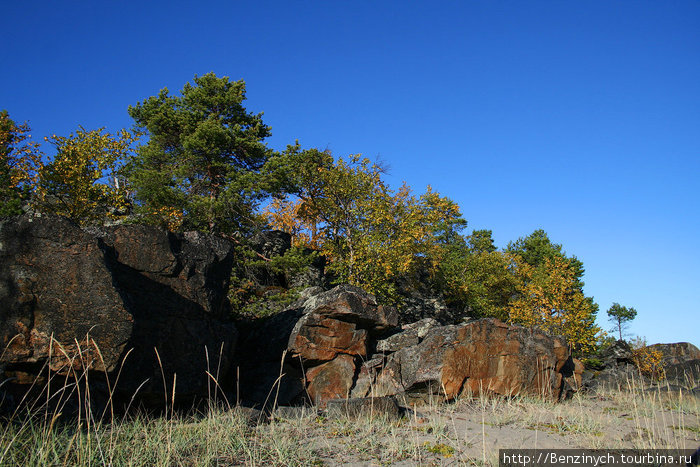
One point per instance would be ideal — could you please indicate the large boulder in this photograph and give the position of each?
(617, 354)
(310, 350)
(484, 356)
(343, 344)
(679, 352)
(334, 335)
(130, 300)
(410, 334)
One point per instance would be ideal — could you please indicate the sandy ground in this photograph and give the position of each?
(470, 432)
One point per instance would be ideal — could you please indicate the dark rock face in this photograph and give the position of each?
(151, 307)
(684, 374)
(49, 269)
(122, 290)
(618, 370)
(680, 352)
(411, 334)
(271, 243)
(618, 354)
(312, 276)
(263, 373)
(422, 304)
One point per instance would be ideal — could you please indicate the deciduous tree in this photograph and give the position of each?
(549, 298)
(371, 235)
(81, 181)
(475, 277)
(536, 248)
(20, 162)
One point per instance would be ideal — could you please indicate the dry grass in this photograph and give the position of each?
(467, 432)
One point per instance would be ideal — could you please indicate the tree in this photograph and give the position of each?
(621, 316)
(204, 158)
(475, 277)
(550, 291)
(371, 235)
(81, 181)
(549, 298)
(481, 283)
(536, 248)
(284, 214)
(20, 161)
(481, 241)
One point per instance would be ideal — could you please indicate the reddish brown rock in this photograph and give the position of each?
(332, 337)
(497, 358)
(322, 339)
(56, 295)
(485, 356)
(331, 380)
(576, 380)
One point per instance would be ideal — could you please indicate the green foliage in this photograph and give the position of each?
(81, 180)
(621, 316)
(550, 291)
(20, 161)
(439, 448)
(537, 248)
(250, 295)
(204, 158)
(205, 166)
(549, 297)
(474, 276)
(593, 363)
(371, 235)
(481, 241)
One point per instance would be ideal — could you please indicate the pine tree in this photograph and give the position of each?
(203, 159)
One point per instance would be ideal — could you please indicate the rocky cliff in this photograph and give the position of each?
(132, 301)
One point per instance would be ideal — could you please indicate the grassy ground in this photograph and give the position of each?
(467, 432)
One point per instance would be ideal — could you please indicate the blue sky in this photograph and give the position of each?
(580, 118)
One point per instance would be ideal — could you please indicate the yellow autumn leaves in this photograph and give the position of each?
(380, 239)
(370, 234)
(548, 298)
(20, 162)
(82, 181)
(384, 240)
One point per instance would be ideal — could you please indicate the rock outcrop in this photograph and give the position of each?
(681, 363)
(618, 354)
(484, 356)
(151, 307)
(342, 345)
(411, 334)
(680, 352)
(685, 374)
(103, 300)
(333, 335)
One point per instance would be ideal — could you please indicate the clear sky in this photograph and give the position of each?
(580, 118)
